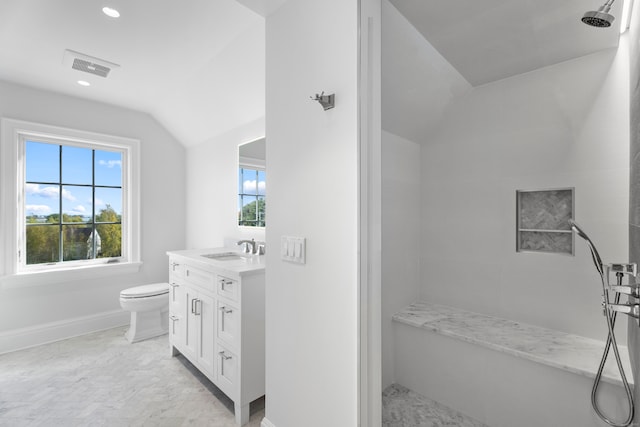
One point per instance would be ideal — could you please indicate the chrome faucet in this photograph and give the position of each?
(249, 244)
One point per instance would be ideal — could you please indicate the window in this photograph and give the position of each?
(252, 157)
(70, 199)
(72, 203)
(251, 197)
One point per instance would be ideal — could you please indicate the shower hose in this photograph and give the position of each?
(611, 343)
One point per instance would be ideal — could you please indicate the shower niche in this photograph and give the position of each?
(543, 220)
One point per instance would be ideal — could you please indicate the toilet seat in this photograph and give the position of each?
(145, 291)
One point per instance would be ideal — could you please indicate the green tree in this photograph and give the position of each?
(253, 214)
(43, 244)
(110, 234)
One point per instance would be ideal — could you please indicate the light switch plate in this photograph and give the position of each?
(293, 249)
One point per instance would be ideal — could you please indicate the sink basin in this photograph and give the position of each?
(225, 256)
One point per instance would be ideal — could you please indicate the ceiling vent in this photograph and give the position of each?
(88, 64)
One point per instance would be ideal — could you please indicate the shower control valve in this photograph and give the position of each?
(633, 290)
(632, 310)
(630, 268)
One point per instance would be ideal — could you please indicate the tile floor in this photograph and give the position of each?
(402, 407)
(102, 380)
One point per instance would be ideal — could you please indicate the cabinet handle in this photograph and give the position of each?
(224, 283)
(224, 356)
(193, 308)
(198, 307)
(173, 324)
(224, 311)
(174, 285)
(174, 265)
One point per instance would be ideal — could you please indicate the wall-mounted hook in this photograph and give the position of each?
(327, 101)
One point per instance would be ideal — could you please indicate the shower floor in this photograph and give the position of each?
(402, 407)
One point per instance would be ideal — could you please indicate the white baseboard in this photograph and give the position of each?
(18, 339)
(266, 423)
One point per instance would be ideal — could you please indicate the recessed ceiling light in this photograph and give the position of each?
(84, 83)
(111, 12)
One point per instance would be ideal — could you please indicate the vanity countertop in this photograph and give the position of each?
(247, 265)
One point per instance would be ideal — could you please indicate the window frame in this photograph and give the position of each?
(257, 165)
(13, 270)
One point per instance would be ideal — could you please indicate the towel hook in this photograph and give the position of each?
(327, 101)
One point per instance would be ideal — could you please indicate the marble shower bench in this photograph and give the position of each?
(502, 372)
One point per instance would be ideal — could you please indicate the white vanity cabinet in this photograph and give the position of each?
(216, 315)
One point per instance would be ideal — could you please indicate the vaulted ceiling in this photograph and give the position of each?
(488, 40)
(198, 66)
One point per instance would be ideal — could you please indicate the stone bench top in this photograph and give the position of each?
(572, 353)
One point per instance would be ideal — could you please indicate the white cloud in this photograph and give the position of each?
(37, 209)
(79, 209)
(99, 202)
(249, 186)
(48, 192)
(110, 163)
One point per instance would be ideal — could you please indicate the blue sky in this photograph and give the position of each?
(250, 184)
(43, 166)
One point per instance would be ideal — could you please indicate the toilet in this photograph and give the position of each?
(149, 307)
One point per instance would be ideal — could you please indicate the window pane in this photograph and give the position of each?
(108, 168)
(42, 202)
(262, 183)
(108, 204)
(77, 165)
(110, 240)
(43, 162)
(43, 244)
(76, 242)
(76, 203)
(249, 182)
(249, 212)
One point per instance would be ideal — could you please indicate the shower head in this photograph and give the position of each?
(594, 252)
(600, 18)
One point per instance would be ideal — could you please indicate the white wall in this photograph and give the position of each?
(418, 86)
(562, 126)
(632, 38)
(212, 189)
(401, 207)
(312, 160)
(162, 205)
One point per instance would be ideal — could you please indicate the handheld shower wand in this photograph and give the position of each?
(594, 252)
(610, 312)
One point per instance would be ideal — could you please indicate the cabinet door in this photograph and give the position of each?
(177, 315)
(205, 312)
(191, 332)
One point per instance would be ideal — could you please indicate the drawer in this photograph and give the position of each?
(227, 371)
(228, 288)
(176, 297)
(176, 269)
(198, 277)
(228, 324)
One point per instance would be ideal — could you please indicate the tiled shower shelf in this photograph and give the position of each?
(542, 221)
(573, 353)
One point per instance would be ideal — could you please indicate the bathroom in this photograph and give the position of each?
(458, 144)
(561, 126)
